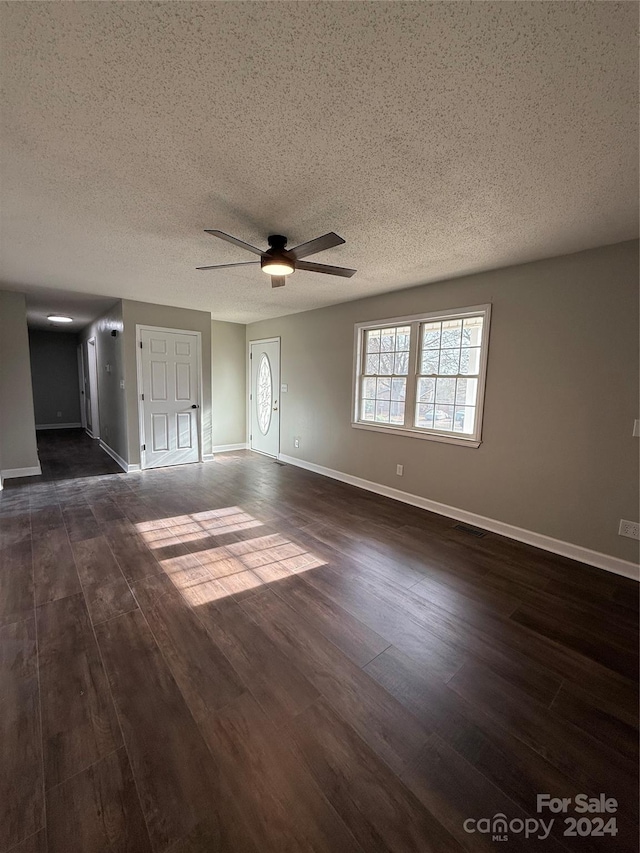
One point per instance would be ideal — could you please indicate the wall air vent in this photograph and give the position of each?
(470, 531)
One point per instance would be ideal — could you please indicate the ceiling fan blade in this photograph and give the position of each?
(278, 281)
(234, 240)
(327, 241)
(223, 266)
(309, 266)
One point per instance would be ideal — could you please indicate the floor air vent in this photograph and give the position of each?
(471, 531)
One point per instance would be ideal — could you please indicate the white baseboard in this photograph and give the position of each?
(126, 467)
(207, 457)
(529, 537)
(59, 426)
(229, 448)
(10, 473)
(90, 434)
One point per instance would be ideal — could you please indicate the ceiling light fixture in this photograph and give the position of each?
(59, 318)
(277, 266)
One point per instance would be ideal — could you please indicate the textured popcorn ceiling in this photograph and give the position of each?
(436, 138)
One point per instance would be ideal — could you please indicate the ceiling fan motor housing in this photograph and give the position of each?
(277, 252)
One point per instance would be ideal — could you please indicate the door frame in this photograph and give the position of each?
(140, 327)
(92, 364)
(83, 407)
(273, 340)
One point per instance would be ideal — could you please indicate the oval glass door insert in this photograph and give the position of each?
(264, 394)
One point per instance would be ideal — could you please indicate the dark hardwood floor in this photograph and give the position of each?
(243, 656)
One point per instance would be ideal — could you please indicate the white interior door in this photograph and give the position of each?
(170, 373)
(91, 390)
(265, 397)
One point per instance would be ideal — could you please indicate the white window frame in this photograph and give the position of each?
(414, 320)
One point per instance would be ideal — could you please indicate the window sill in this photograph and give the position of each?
(414, 433)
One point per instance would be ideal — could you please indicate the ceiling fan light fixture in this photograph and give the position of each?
(277, 266)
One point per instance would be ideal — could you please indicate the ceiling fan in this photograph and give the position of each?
(279, 262)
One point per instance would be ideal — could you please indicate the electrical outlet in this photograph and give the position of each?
(631, 529)
(296, 442)
(59, 414)
(399, 470)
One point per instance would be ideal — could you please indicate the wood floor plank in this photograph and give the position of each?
(97, 810)
(106, 591)
(16, 583)
(181, 792)
(389, 729)
(351, 636)
(21, 782)
(270, 783)
(572, 750)
(79, 724)
(275, 681)
(454, 791)
(128, 546)
(204, 675)
(54, 569)
(36, 843)
(372, 801)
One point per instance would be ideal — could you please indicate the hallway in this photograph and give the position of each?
(243, 656)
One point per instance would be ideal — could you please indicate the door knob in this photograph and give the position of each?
(195, 406)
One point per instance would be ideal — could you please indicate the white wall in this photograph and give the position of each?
(112, 402)
(557, 457)
(18, 448)
(54, 377)
(229, 376)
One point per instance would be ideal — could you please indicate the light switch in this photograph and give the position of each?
(284, 388)
(122, 383)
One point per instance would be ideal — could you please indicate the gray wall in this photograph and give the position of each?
(557, 456)
(54, 377)
(111, 371)
(164, 316)
(17, 423)
(229, 377)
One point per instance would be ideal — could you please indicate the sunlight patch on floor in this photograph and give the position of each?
(234, 569)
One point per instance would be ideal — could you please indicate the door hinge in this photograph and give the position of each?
(142, 396)
(250, 355)
(251, 396)
(144, 447)
(250, 438)
(140, 344)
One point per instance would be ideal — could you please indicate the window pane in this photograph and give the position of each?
(398, 389)
(424, 416)
(397, 412)
(430, 360)
(472, 332)
(426, 390)
(372, 363)
(464, 419)
(383, 389)
(403, 337)
(451, 331)
(445, 391)
(368, 410)
(388, 340)
(470, 360)
(386, 363)
(443, 418)
(466, 392)
(402, 363)
(449, 361)
(373, 340)
(431, 335)
(382, 411)
(369, 389)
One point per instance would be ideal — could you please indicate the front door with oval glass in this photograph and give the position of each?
(265, 397)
